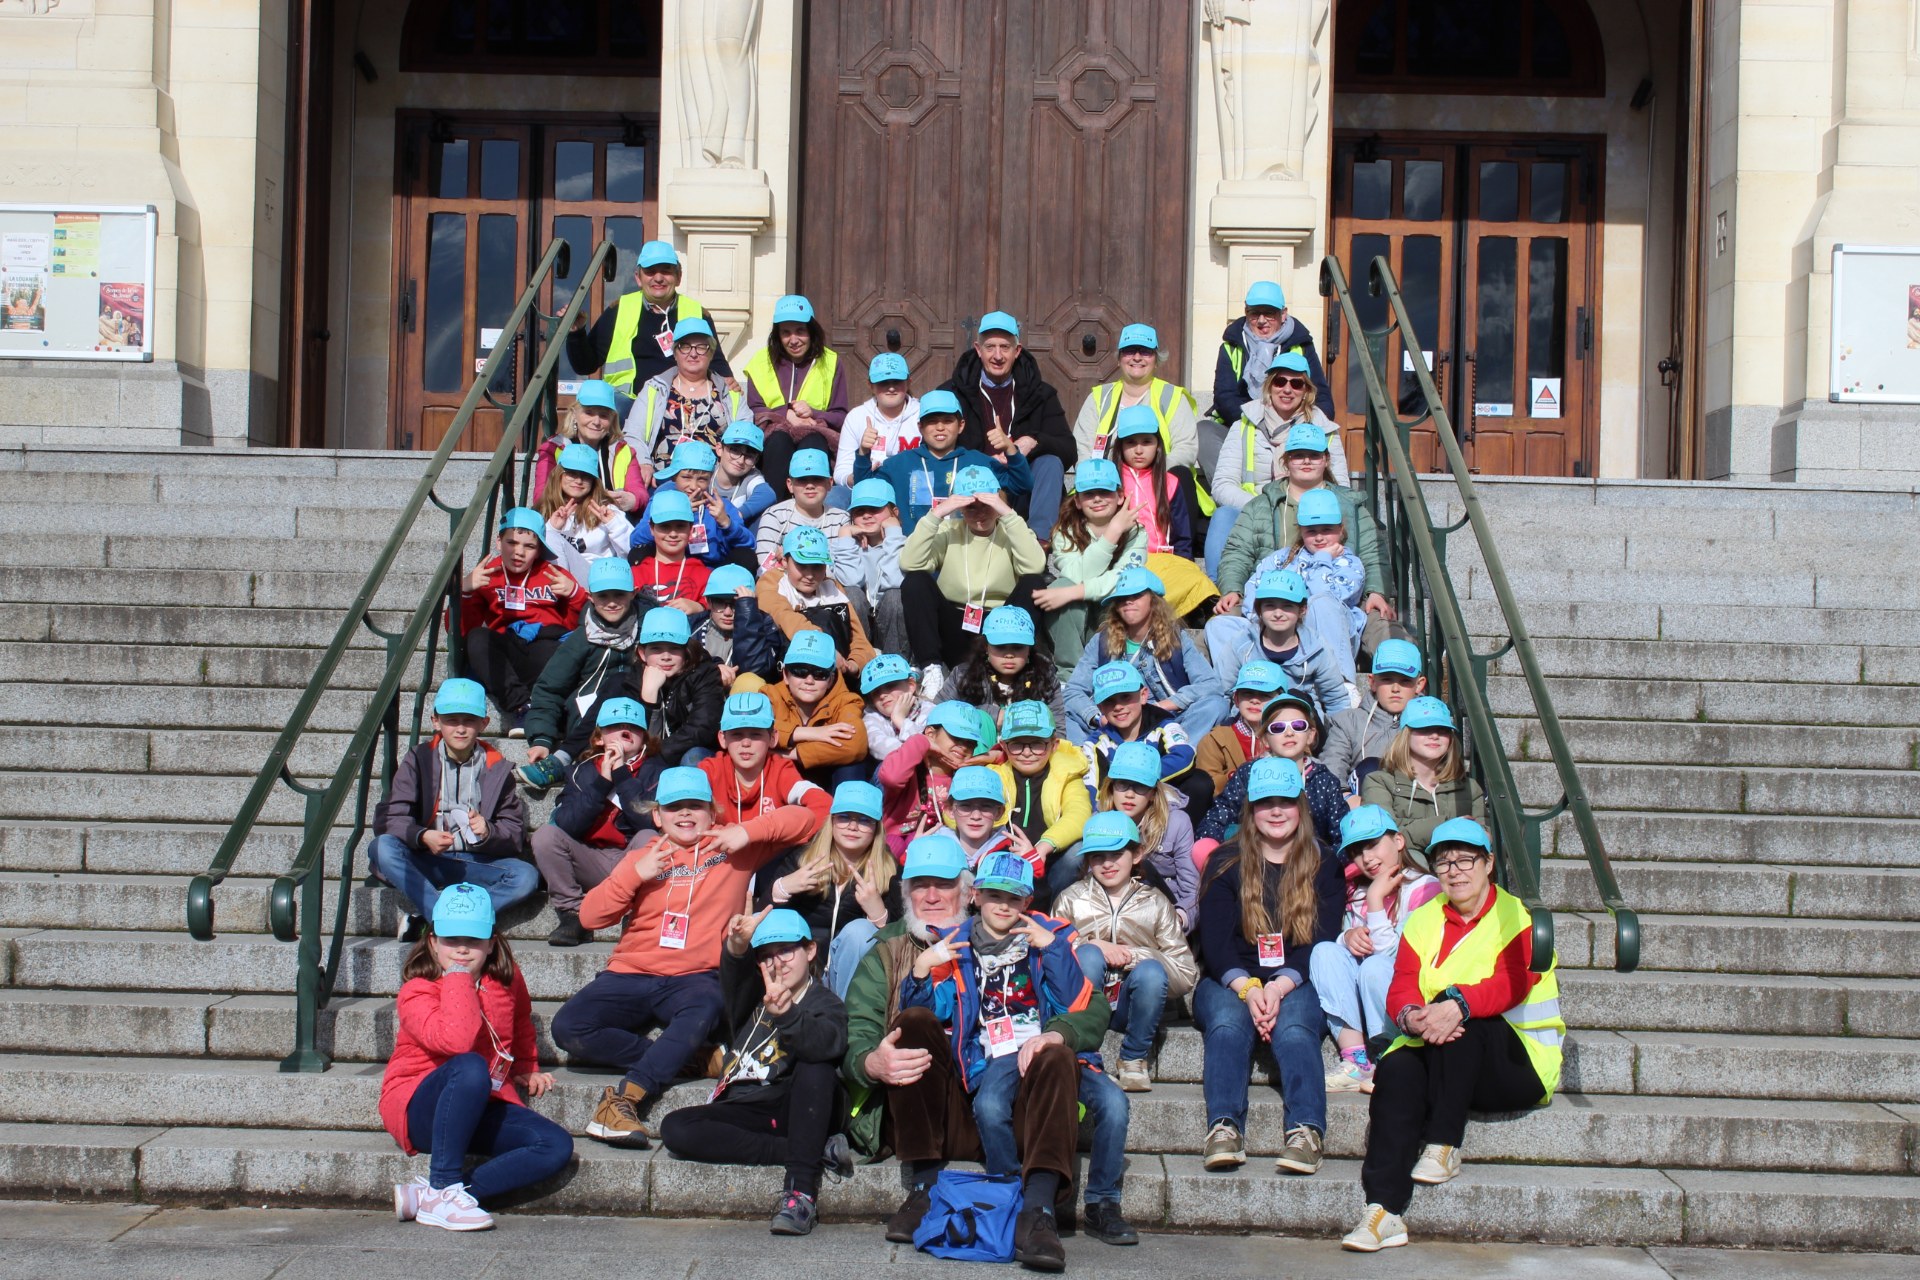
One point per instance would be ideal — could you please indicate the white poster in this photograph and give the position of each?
(1493, 409)
(1545, 400)
(23, 252)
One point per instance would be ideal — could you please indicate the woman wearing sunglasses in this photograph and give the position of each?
(1290, 729)
(1251, 455)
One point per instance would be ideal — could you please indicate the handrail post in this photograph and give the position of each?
(306, 1055)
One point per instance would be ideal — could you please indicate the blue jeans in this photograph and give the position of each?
(844, 954)
(1108, 1108)
(603, 1022)
(996, 1088)
(1353, 992)
(1218, 530)
(1143, 992)
(419, 876)
(1233, 641)
(453, 1113)
(1226, 1030)
(1043, 505)
(1328, 626)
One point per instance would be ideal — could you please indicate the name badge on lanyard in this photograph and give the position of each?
(1000, 1037)
(673, 930)
(1272, 948)
(665, 340)
(697, 541)
(1100, 445)
(971, 618)
(502, 1065)
(513, 599)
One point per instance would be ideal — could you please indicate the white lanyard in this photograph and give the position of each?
(799, 379)
(677, 580)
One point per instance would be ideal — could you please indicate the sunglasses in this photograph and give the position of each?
(1297, 384)
(808, 673)
(1283, 726)
(1459, 862)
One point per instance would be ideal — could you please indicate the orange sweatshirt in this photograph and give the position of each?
(840, 706)
(701, 882)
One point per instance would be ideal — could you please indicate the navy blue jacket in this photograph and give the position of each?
(1228, 393)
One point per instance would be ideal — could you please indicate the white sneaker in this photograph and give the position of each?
(1377, 1230)
(1437, 1164)
(1350, 1077)
(406, 1198)
(932, 677)
(453, 1208)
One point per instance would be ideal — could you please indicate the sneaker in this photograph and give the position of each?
(411, 928)
(839, 1158)
(569, 932)
(1302, 1152)
(1350, 1077)
(1036, 1241)
(1437, 1164)
(1225, 1149)
(452, 1208)
(906, 1219)
(1377, 1230)
(406, 1198)
(516, 723)
(1134, 1077)
(616, 1121)
(796, 1214)
(1105, 1223)
(540, 775)
(932, 677)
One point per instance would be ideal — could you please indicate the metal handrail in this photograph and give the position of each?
(354, 773)
(1418, 569)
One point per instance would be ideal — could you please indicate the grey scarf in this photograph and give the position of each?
(616, 637)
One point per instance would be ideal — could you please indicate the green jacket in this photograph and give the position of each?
(578, 667)
(1418, 811)
(873, 997)
(1265, 525)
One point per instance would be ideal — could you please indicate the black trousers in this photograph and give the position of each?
(934, 633)
(507, 666)
(1198, 789)
(1422, 1094)
(786, 1124)
(779, 452)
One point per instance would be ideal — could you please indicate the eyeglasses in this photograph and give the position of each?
(1283, 726)
(1298, 384)
(1459, 862)
(696, 348)
(854, 820)
(798, 672)
(1025, 745)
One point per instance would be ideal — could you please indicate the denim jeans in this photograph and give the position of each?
(844, 954)
(996, 1087)
(1226, 1029)
(1138, 1007)
(1328, 626)
(1233, 641)
(605, 1021)
(453, 1113)
(1108, 1109)
(419, 876)
(1353, 992)
(1043, 504)
(1218, 530)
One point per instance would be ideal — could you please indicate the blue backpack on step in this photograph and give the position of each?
(971, 1217)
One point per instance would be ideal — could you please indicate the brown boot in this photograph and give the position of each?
(616, 1121)
(906, 1219)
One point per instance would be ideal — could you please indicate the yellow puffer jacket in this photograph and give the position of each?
(1064, 801)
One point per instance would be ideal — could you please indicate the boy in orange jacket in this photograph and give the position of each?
(818, 720)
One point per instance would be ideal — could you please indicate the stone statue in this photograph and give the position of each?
(1227, 23)
(1267, 77)
(716, 47)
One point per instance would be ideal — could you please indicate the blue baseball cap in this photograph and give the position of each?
(1280, 584)
(595, 394)
(939, 402)
(882, 671)
(977, 782)
(463, 911)
(1132, 582)
(862, 798)
(692, 327)
(1135, 420)
(460, 697)
(620, 711)
(1096, 475)
(726, 581)
(1265, 293)
(525, 518)
(998, 322)
(888, 366)
(1140, 335)
(1027, 719)
(669, 506)
(1110, 829)
(1459, 831)
(1262, 677)
(1365, 825)
(1397, 657)
(1318, 508)
(690, 455)
(1007, 624)
(809, 464)
(744, 435)
(1289, 362)
(1005, 872)
(810, 649)
(681, 784)
(658, 253)
(609, 573)
(1427, 713)
(873, 492)
(1304, 437)
(792, 308)
(958, 719)
(781, 925)
(936, 856)
(807, 545)
(1136, 762)
(1115, 678)
(1273, 776)
(976, 479)
(746, 711)
(665, 626)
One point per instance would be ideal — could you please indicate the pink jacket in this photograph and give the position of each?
(633, 482)
(439, 1020)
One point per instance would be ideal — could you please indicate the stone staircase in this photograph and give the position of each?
(1744, 719)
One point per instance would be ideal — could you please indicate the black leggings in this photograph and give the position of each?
(507, 666)
(785, 1124)
(934, 633)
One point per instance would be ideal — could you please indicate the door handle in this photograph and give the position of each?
(407, 296)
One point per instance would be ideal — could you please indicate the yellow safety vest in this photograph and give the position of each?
(1161, 396)
(1237, 355)
(628, 312)
(1472, 960)
(816, 389)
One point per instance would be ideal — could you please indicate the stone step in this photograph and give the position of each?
(141, 848)
(1712, 701)
(1681, 743)
(264, 522)
(210, 666)
(149, 494)
(314, 464)
(1647, 618)
(1616, 659)
(1704, 501)
(164, 553)
(1710, 585)
(1725, 838)
(1804, 892)
(149, 797)
(222, 588)
(1871, 793)
(242, 627)
(175, 707)
(1758, 944)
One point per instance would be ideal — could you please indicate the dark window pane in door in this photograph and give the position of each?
(499, 169)
(578, 233)
(1499, 191)
(1371, 310)
(626, 173)
(1421, 195)
(573, 171)
(1420, 288)
(633, 29)
(1494, 322)
(1547, 308)
(500, 23)
(627, 234)
(496, 285)
(450, 169)
(444, 363)
(557, 28)
(457, 26)
(1549, 196)
(1373, 190)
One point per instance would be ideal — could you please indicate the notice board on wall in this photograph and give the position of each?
(1875, 356)
(76, 281)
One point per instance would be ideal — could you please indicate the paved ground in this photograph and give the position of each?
(138, 1242)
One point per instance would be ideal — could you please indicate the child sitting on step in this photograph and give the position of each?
(800, 595)
(665, 570)
(721, 533)
(895, 709)
(515, 607)
(1132, 787)
(590, 667)
(817, 717)
(1243, 739)
(583, 525)
(809, 477)
(602, 806)
(916, 779)
(1422, 780)
(737, 634)
(1358, 737)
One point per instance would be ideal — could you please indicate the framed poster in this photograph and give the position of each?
(76, 281)
(1875, 343)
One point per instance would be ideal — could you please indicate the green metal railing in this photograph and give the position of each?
(533, 416)
(1417, 567)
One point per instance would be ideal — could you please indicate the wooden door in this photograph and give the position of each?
(1023, 156)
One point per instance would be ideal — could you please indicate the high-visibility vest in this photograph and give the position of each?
(1161, 397)
(1237, 355)
(628, 312)
(816, 389)
(1537, 1019)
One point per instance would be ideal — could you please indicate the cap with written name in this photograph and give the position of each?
(958, 719)
(1096, 475)
(463, 911)
(1028, 719)
(609, 573)
(1007, 624)
(976, 480)
(1141, 337)
(807, 545)
(1005, 873)
(1274, 777)
(1398, 658)
(1109, 830)
(1304, 437)
(1262, 677)
(1281, 584)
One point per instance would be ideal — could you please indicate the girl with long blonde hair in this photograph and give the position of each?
(843, 882)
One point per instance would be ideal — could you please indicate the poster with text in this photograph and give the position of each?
(123, 308)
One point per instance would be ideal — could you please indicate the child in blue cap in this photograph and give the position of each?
(452, 815)
(895, 710)
(801, 593)
(665, 570)
(1008, 666)
(844, 882)
(721, 533)
(885, 424)
(1359, 736)
(737, 634)
(871, 572)
(1139, 629)
(1124, 715)
(1336, 580)
(1422, 779)
(737, 472)
(916, 779)
(924, 475)
(971, 555)
(809, 479)
(817, 717)
(590, 667)
(679, 686)
(516, 606)
(1289, 728)
(1098, 536)
(1271, 631)
(594, 420)
(603, 804)
(583, 525)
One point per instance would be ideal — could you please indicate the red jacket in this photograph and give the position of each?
(1506, 987)
(487, 607)
(440, 1020)
(799, 807)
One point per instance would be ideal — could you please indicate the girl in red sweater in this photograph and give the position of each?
(464, 1053)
